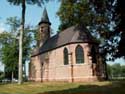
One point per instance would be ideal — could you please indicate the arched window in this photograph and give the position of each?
(79, 54)
(66, 59)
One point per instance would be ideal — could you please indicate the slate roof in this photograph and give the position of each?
(45, 18)
(74, 34)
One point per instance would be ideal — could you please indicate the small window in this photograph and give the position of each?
(66, 59)
(79, 54)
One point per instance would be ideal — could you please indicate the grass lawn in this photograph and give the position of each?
(107, 87)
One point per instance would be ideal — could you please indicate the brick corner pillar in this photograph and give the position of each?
(37, 64)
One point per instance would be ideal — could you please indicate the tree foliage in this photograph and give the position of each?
(116, 71)
(101, 19)
(31, 2)
(117, 9)
(1, 75)
(9, 52)
(10, 46)
(120, 12)
(74, 11)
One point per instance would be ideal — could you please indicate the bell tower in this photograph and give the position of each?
(44, 28)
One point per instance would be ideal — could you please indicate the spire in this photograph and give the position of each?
(45, 18)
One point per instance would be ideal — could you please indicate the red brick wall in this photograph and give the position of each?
(53, 68)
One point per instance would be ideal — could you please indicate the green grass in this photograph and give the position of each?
(107, 87)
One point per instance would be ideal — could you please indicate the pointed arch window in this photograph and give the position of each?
(66, 59)
(79, 54)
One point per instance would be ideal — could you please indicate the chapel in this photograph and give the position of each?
(71, 55)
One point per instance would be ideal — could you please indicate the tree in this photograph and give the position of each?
(9, 41)
(14, 24)
(109, 71)
(10, 60)
(97, 17)
(123, 70)
(23, 4)
(118, 16)
(120, 11)
(9, 57)
(1, 75)
(74, 12)
(116, 71)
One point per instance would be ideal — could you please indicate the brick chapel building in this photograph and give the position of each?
(71, 55)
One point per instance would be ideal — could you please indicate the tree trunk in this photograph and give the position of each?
(12, 76)
(20, 80)
(106, 73)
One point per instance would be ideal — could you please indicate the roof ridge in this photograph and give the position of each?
(66, 29)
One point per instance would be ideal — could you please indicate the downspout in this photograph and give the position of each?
(72, 72)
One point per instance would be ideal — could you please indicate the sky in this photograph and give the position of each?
(33, 16)
(33, 13)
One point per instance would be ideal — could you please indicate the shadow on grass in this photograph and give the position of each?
(117, 87)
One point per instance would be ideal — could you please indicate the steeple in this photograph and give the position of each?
(44, 28)
(45, 18)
